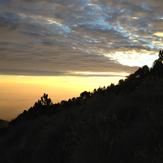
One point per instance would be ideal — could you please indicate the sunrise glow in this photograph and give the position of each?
(23, 91)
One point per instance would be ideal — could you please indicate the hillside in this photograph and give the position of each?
(122, 123)
(3, 123)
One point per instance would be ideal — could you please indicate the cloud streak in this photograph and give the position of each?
(47, 37)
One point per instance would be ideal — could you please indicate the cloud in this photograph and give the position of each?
(60, 36)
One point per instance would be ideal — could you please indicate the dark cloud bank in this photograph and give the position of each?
(59, 37)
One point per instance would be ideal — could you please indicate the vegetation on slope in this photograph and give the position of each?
(3, 123)
(122, 123)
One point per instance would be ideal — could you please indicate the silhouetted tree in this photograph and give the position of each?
(85, 95)
(161, 55)
(45, 101)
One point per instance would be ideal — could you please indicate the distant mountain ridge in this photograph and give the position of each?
(119, 123)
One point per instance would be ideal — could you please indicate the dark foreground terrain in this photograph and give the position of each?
(3, 123)
(117, 124)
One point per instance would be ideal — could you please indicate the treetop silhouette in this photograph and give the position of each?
(161, 55)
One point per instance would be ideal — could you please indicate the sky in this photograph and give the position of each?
(82, 41)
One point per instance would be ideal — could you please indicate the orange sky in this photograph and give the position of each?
(20, 92)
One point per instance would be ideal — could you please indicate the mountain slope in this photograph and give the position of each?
(122, 123)
(3, 123)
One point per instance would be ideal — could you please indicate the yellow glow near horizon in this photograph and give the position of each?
(20, 92)
(87, 73)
